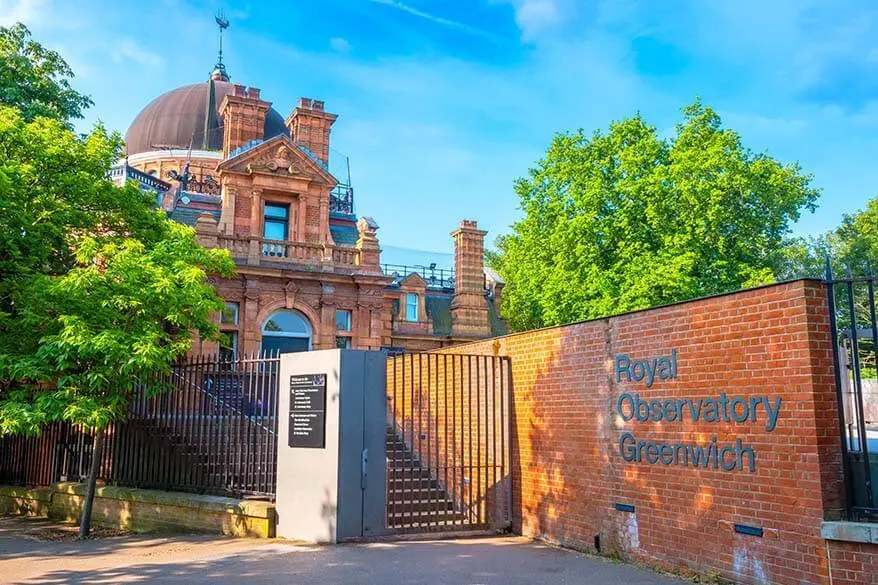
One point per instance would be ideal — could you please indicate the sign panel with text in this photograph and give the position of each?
(307, 411)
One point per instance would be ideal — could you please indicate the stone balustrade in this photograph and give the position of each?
(253, 250)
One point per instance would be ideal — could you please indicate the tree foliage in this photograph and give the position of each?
(97, 288)
(36, 80)
(852, 245)
(625, 219)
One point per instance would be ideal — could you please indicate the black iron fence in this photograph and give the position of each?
(855, 332)
(214, 431)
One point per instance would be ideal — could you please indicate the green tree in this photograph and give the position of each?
(853, 246)
(623, 220)
(98, 289)
(36, 80)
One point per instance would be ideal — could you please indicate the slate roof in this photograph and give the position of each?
(344, 235)
(439, 311)
(189, 216)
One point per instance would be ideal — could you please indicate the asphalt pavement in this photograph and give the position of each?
(38, 552)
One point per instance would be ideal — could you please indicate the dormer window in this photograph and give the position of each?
(411, 307)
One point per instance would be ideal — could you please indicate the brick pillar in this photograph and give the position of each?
(243, 117)
(469, 307)
(309, 126)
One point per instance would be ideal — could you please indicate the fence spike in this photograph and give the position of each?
(828, 269)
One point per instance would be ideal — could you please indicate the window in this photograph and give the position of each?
(230, 314)
(276, 222)
(343, 320)
(411, 307)
(228, 345)
(286, 332)
(228, 329)
(343, 342)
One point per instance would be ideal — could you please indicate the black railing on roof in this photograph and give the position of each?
(341, 199)
(145, 179)
(854, 326)
(435, 277)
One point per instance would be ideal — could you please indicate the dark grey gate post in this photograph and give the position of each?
(331, 468)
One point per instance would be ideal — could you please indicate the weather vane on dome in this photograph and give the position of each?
(219, 72)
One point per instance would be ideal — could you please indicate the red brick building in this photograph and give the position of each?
(310, 275)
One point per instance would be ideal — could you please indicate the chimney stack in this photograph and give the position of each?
(309, 126)
(469, 307)
(243, 114)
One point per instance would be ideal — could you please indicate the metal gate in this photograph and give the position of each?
(854, 325)
(447, 443)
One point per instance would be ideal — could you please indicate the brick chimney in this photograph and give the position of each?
(243, 115)
(309, 125)
(469, 307)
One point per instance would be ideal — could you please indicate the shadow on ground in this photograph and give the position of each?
(495, 561)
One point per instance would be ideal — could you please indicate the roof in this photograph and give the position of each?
(344, 235)
(176, 119)
(439, 310)
(189, 215)
(494, 276)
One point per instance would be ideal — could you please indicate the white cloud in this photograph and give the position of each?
(128, 49)
(340, 44)
(27, 12)
(536, 16)
(435, 18)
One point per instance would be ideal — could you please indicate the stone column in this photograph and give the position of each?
(227, 219)
(250, 334)
(256, 213)
(325, 332)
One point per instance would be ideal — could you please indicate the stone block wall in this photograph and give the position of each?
(142, 510)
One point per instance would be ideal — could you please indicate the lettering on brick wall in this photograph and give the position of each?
(720, 409)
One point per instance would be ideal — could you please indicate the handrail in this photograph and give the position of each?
(230, 407)
(256, 249)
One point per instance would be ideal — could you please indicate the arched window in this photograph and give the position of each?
(286, 332)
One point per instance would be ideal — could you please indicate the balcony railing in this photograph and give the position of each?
(435, 277)
(260, 251)
(131, 174)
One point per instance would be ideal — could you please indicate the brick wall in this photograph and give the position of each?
(853, 563)
(758, 346)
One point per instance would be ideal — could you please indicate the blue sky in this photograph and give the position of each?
(443, 103)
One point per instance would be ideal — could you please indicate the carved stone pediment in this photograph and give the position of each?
(414, 280)
(279, 161)
(278, 156)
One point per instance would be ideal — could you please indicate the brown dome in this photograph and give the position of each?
(176, 119)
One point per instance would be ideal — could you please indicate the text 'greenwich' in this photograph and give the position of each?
(757, 412)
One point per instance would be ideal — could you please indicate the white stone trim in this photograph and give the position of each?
(176, 153)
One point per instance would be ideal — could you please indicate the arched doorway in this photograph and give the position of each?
(286, 332)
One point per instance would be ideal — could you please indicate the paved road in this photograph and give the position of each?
(200, 559)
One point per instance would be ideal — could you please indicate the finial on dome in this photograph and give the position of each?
(219, 71)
